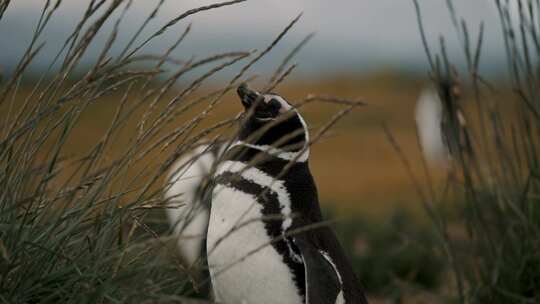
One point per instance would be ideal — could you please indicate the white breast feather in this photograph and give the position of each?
(259, 177)
(244, 266)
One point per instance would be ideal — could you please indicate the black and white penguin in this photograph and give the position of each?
(258, 251)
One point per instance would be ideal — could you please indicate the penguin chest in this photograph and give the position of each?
(244, 266)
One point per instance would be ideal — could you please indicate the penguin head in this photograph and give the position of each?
(270, 122)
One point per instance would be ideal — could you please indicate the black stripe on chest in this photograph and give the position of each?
(296, 177)
(272, 220)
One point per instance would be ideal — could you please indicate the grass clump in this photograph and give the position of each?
(72, 227)
(394, 257)
(497, 259)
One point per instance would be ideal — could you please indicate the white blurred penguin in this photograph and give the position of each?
(189, 179)
(439, 142)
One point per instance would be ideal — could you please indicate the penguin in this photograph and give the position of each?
(429, 116)
(266, 242)
(441, 126)
(188, 215)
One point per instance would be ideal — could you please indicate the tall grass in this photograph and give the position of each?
(495, 175)
(73, 228)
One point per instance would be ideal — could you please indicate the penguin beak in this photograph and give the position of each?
(248, 97)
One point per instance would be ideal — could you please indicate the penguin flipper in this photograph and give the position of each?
(322, 282)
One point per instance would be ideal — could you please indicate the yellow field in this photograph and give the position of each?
(355, 166)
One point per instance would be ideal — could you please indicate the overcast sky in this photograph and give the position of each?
(351, 35)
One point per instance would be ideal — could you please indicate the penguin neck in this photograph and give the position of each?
(269, 151)
(272, 161)
(297, 174)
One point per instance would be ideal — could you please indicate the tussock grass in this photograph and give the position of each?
(73, 226)
(495, 177)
